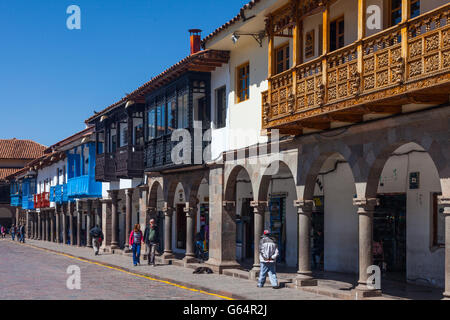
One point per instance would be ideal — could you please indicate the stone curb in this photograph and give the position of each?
(177, 282)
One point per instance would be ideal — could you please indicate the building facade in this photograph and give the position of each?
(325, 122)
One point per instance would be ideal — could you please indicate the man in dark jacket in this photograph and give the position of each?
(151, 239)
(22, 233)
(97, 238)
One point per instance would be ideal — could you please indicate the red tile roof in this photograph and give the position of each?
(4, 172)
(195, 62)
(20, 149)
(228, 24)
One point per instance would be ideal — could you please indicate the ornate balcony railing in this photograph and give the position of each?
(83, 186)
(129, 161)
(61, 195)
(404, 64)
(42, 200)
(16, 200)
(105, 167)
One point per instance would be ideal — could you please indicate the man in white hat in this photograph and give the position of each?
(268, 254)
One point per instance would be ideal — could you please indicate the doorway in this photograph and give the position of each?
(389, 235)
(317, 226)
(277, 208)
(181, 227)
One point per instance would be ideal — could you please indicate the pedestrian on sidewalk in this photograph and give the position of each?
(135, 241)
(97, 238)
(268, 254)
(3, 231)
(13, 232)
(151, 239)
(22, 233)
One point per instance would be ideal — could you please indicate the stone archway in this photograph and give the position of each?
(406, 181)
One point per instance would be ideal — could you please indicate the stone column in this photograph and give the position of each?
(304, 274)
(17, 216)
(98, 214)
(39, 235)
(128, 211)
(71, 209)
(64, 222)
(32, 225)
(106, 208)
(366, 207)
(27, 224)
(114, 219)
(57, 224)
(46, 237)
(51, 216)
(89, 224)
(168, 213)
(190, 214)
(79, 208)
(259, 208)
(445, 201)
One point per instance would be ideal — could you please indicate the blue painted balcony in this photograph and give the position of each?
(61, 195)
(84, 187)
(28, 202)
(16, 200)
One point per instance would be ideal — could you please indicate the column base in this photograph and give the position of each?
(305, 280)
(220, 266)
(363, 291)
(446, 295)
(114, 246)
(189, 259)
(254, 273)
(127, 249)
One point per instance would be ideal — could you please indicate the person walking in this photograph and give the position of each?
(22, 233)
(135, 241)
(151, 239)
(268, 254)
(97, 238)
(3, 231)
(13, 232)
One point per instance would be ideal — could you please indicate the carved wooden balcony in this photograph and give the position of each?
(129, 162)
(405, 64)
(105, 168)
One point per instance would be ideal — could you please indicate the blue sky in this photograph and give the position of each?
(52, 78)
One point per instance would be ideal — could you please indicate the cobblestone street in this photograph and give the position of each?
(29, 273)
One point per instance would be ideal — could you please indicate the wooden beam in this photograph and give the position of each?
(431, 98)
(394, 109)
(353, 118)
(315, 125)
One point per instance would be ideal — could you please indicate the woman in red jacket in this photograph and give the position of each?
(136, 240)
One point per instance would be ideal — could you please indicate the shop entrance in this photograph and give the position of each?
(389, 235)
(245, 232)
(317, 224)
(181, 227)
(277, 208)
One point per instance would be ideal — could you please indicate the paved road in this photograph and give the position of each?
(29, 273)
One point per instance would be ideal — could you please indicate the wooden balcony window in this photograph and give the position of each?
(243, 82)
(337, 34)
(282, 56)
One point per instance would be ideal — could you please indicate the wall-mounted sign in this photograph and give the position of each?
(414, 180)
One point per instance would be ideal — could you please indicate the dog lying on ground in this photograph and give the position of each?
(201, 270)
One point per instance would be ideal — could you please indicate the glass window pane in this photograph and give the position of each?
(151, 124)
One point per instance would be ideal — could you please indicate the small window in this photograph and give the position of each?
(396, 12)
(282, 56)
(243, 82)
(309, 44)
(171, 115)
(415, 8)
(337, 34)
(221, 108)
(100, 142)
(183, 111)
(160, 120)
(438, 222)
(151, 128)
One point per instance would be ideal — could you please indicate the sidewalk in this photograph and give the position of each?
(213, 283)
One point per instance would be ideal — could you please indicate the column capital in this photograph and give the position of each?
(259, 206)
(304, 206)
(129, 191)
(367, 204)
(445, 201)
(113, 194)
(151, 209)
(229, 205)
(189, 210)
(167, 210)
